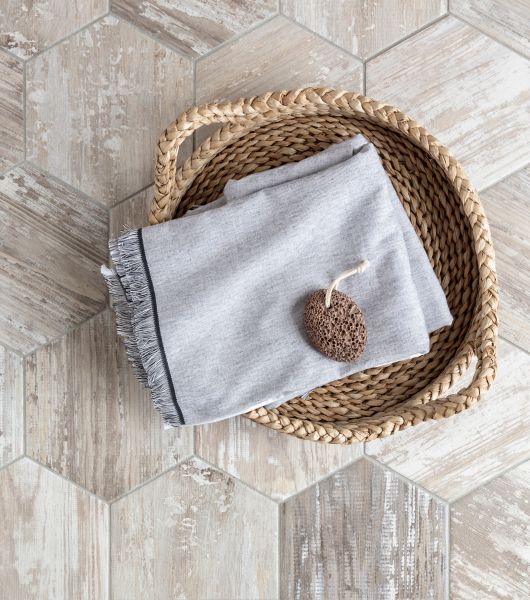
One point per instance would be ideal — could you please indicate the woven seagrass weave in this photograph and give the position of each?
(279, 127)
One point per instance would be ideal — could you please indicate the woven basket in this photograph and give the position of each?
(281, 127)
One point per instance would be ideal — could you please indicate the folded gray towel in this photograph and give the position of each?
(211, 304)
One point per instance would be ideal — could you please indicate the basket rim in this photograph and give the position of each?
(243, 115)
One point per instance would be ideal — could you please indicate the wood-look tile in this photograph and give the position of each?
(363, 533)
(361, 27)
(54, 537)
(277, 55)
(507, 206)
(465, 88)
(11, 407)
(89, 419)
(97, 103)
(276, 464)
(490, 540)
(134, 212)
(11, 112)
(53, 241)
(196, 26)
(453, 456)
(194, 532)
(509, 22)
(29, 27)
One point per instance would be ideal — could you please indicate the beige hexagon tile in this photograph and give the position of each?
(453, 456)
(277, 55)
(194, 533)
(509, 22)
(490, 540)
(465, 88)
(97, 103)
(361, 27)
(54, 537)
(363, 533)
(11, 407)
(11, 112)
(52, 241)
(29, 27)
(89, 419)
(507, 205)
(197, 26)
(276, 464)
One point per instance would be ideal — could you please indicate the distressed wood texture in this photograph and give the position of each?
(453, 456)
(490, 540)
(467, 89)
(11, 112)
(29, 27)
(54, 537)
(90, 420)
(507, 205)
(194, 533)
(131, 213)
(197, 26)
(286, 464)
(277, 55)
(507, 21)
(11, 407)
(96, 105)
(53, 241)
(363, 533)
(361, 27)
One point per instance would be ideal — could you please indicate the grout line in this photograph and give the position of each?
(11, 462)
(12, 167)
(8, 54)
(129, 197)
(12, 350)
(502, 337)
(490, 36)
(503, 178)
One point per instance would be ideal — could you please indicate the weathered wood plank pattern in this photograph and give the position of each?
(11, 112)
(11, 406)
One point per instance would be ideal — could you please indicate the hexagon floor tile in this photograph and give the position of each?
(197, 26)
(54, 537)
(508, 208)
(53, 241)
(134, 212)
(509, 22)
(90, 420)
(276, 464)
(453, 456)
(361, 27)
(363, 533)
(97, 103)
(466, 89)
(11, 112)
(11, 407)
(194, 533)
(29, 27)
(490, 540)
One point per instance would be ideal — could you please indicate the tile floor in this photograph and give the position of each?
(97, 501)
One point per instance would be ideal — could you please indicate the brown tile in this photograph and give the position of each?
(90, 420)
(465, 88)
(97, 103)
(454, 456)
(194, 533)
(490, 540)
(54, 537)
(363, 533)
(507, 206)
(29, 27)
(196, 26)
(361, 27)
(11, 112)
(53, 242)
(11, 407)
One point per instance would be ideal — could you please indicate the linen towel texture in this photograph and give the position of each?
(211, 304)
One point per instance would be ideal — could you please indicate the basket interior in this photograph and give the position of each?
(435, 210)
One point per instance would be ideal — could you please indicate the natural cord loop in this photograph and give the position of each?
(360, 268)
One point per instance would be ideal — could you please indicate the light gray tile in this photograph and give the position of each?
(53, 241)
(194, 533)
(54, 537)
(131, 213)
(363, 533)
(11, 407)
(11, 112)
(89, 419)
